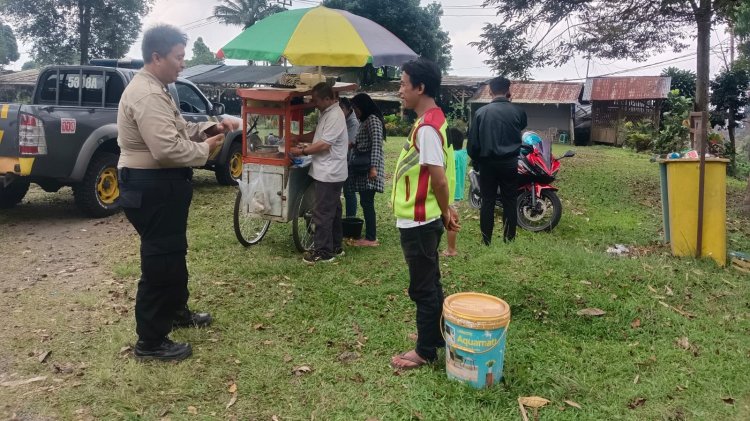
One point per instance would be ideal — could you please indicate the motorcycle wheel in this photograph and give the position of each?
(544, 217)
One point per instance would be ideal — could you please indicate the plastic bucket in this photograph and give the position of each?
(475, 327)
(352, 227)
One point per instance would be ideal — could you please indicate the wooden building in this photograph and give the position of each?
(616, 100)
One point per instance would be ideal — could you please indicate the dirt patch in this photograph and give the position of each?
(53, 284)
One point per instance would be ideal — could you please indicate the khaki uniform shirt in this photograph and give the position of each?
(151, 131)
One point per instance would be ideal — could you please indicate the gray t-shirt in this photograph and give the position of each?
(330, 166)
(352, 127)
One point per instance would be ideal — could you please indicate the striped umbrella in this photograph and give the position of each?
(319, 36)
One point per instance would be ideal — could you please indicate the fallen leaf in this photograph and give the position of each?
(586, 282)
(288, 358)
(275, 418)
(267, 342)
(163, 412)
(301, 370)
(636, 323)
(591, 312)
(683, 342)
(15, 383)
(232, 400)
(43, 356)
(635, 403)
(192, 410)
(311, 330)
(637, 377)
(233, 388)
(652, 289)
(259, 326)
(573, 404)
(728, 400)
(418, 415)
(125, 351)
(533, 401)
(668, 290)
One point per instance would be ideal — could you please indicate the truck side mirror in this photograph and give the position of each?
(218, 109)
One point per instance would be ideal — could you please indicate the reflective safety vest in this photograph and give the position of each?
(412, 196)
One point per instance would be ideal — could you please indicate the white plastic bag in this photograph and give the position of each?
(254, 195)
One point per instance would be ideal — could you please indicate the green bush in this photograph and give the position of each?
(639, 135)
(674, 134)
(395, 126)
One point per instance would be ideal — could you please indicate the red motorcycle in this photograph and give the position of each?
(538, 207)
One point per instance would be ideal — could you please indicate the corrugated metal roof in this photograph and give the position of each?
(24, 77)
(535, 92)
(198, 70)
(468, 81)
(626, 88)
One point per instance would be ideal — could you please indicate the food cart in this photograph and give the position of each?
(273, 186)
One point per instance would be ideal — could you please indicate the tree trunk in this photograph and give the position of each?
(84, 28)
(731, 130)
(703, 18)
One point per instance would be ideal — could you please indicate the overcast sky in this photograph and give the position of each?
(463, 20)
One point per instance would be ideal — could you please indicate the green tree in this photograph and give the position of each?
(245, 12)
(418, 27)
(608, 29)
(729, 97)
(8, 45)
(202, 55)
(66, 31)
(684, 80)
(29, 65)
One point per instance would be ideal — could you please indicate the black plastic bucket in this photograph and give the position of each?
(352, 227)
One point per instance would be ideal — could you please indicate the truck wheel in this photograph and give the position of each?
(13, 193)
(228, 172)
(97, 194)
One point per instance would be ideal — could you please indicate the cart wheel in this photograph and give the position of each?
(303, 229)
(248, 227)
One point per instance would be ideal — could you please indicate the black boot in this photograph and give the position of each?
(166, 350)
(187, 318)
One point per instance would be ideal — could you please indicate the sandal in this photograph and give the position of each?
(418, 362)
(446, 253)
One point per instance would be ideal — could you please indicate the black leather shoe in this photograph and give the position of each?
(164, 351)
(187, 318)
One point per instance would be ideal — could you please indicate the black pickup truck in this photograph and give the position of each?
(68, 136)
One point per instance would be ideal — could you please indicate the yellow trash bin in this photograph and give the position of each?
(682, 180)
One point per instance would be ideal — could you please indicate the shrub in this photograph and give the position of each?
(639, 135)
(395, 126)
(674, 134)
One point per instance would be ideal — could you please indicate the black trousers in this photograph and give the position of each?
(327, 217)
(491, 176)
(420, 246)
(156, 202)
(367, 200)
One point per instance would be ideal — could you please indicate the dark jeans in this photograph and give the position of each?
(327, 217)
(491, 176)
(420, 246)
(367, 200)
(350, 199)
(157, 204)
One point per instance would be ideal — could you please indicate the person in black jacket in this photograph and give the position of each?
(494, 145)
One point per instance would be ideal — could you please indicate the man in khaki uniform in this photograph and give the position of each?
(157, 149)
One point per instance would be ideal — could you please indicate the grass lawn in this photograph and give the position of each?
(344, 321)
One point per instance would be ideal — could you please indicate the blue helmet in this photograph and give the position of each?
(531, 139)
